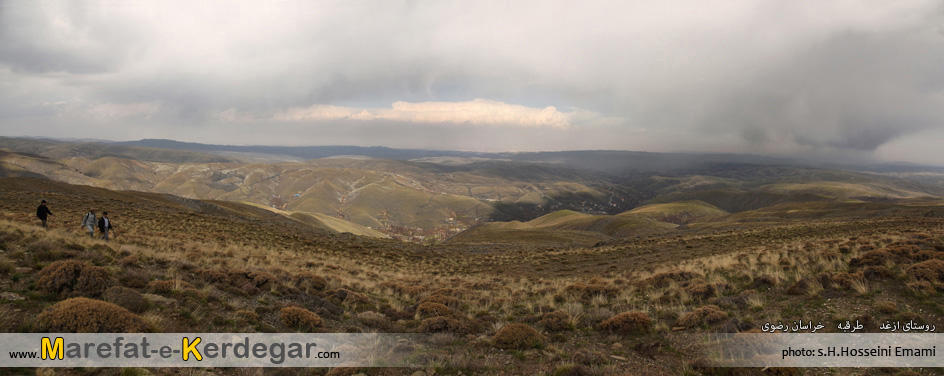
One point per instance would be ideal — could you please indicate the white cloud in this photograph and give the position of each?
(474, 112)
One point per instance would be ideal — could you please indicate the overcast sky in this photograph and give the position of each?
(836, 79)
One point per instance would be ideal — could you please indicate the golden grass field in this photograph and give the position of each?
(616, 307)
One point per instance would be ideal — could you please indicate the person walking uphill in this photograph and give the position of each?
(88, 221)
(43, 213)
(104, 225)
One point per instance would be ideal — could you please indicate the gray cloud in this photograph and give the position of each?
(739, 76)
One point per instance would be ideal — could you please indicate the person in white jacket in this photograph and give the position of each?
(89, 222)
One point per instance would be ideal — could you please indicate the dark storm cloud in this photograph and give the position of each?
(778, 77)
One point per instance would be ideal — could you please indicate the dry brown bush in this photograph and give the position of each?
(841, 280)
(555, 321)
(134, 278)
(308, 279)
(924, 288)
(344, 295)
(127, 298)
(903, 250)
(254, 278)
(517, 336)
(588, 291)
(453, 324)
(886, 307)
(634, 322)
(871, 258)
(764, 281)
(300, 318)
(48, 250)
(211, 275)
(930, 270)
(875, 272)
(374, 319)
(130, 262)
(73, 276)
(447, 301)
(704, 315)
(83, 315)
(428, 309)
(247, 315)
(705, 290)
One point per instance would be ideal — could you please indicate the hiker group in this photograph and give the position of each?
(104, 224)
(89, 221)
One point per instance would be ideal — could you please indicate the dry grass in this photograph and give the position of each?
(732, 283)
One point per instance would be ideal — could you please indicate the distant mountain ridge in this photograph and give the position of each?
(429, 193)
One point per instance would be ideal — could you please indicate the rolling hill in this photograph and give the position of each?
(433, 194)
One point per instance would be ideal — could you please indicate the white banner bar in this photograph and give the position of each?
(208, 350)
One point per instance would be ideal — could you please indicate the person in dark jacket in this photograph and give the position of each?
(104, 225)
(43, 213)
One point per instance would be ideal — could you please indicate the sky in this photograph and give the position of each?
(837, 80)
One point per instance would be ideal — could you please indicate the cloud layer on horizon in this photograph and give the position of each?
(475, 112)
(801, 77)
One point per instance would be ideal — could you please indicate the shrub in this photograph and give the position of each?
(373, 319)
(257, 279)
(634, 322)
(705, 290)
(83, 315)
(871, 258)
(886, 307)
(439, 324)
(517, 336)
(703, 315)
(447, 301)
(134, 278)
(804, 286)
(307, 279)
(588, 291)
(211, 275)
(903, 250)
(47, 250)
(432, 310)
(344, 295)
(841, 280)
(930, 270)
(73, 276)
(127, 298)
(247, 315)
(300, 318)
(555, 321)
(130, 262)
(876, 272)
